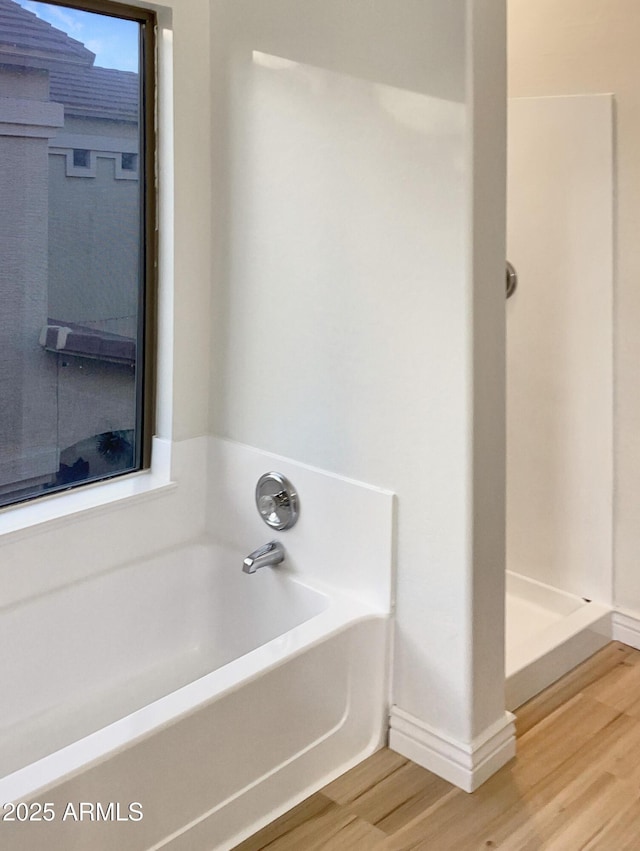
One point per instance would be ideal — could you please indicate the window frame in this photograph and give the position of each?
(146, 172)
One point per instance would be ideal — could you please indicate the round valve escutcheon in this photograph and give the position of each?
(277, 501)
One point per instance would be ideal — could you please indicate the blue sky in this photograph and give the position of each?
(115, 42)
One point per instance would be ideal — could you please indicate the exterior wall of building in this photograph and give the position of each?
(70, 241)
(28, 414)
(94, 397)
(94, 268)
(94, 233)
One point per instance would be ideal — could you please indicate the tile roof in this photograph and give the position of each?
(23, 33)
(96, 92)
(84, 89)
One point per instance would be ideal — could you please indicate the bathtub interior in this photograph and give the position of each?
(306, 706)
(131, 636)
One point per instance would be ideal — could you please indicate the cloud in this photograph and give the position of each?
(67, 19)
(114, 41)
(30, 7)
(113, 53)
(95, 45)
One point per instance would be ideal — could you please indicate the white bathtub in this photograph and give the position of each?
(210, 699)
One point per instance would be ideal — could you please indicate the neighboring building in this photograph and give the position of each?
(69, 250)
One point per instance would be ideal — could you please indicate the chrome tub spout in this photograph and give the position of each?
(267, 556)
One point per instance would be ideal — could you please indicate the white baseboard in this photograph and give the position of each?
(625, 627)
(466, 765)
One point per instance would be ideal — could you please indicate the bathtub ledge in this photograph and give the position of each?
(47, 512)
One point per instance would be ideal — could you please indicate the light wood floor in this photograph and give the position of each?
(575, 783)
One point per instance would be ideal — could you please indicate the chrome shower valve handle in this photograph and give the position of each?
(277, 501)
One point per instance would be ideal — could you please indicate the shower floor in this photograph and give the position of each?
(548, 632)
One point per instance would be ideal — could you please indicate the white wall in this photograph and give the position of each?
(344, 195)
(579, 47)
(185, 180)
(560, 343)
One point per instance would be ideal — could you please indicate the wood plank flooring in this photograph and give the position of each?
(574, 785)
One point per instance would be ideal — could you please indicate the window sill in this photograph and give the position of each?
(44, 513)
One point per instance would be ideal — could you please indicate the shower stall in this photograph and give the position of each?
(559, 387)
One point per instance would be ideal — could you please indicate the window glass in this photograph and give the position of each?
(73, 258)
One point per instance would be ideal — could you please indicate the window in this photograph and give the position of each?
(129, 162)
(81, 158)
(77, 257)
